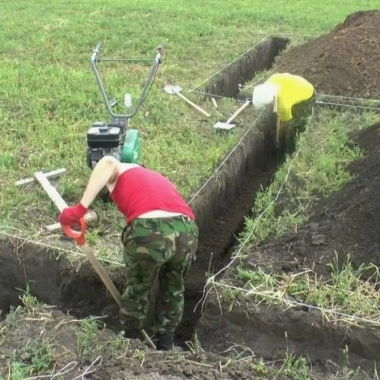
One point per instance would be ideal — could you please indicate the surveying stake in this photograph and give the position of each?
(43, 179)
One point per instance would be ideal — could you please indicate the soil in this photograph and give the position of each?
(347, 222)
(218, 238)
(76, 354)
(343, 62)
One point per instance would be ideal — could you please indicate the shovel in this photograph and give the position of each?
(171, 89)
(227, 125)
(80, 239)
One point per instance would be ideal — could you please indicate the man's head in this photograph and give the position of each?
(264, 94)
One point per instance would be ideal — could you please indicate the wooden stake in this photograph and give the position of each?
(57, 199)
(52, 174)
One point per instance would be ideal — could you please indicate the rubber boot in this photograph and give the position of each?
(131, 333)
(165, 342)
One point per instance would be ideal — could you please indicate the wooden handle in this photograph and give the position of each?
(52, 174)
(278, 124)
(238, 111)
(89, 217)
(275, 105)
(50, 190)
(55, 196)
(193, 104)
(110, 285)
(102, 274)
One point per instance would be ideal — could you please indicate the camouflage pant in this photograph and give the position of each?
(164, 247)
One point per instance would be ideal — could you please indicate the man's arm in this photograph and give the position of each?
(105, 173)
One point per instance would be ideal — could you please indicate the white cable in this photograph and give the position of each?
(347, 97)
(212, 279)
(348, 105)
(220, 70)
(56, 248)
(224, 161)
(242, 245)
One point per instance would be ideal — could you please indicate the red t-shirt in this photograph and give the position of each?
(140, 190)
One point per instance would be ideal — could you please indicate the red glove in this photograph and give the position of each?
(70, 216)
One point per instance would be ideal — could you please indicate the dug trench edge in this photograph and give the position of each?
(220, 210)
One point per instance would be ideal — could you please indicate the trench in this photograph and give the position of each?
(220, 208)
(224, 204)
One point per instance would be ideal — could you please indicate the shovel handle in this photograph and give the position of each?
(193, 104)
(78, 236)
(237, 112)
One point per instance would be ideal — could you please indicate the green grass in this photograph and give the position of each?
(49, 97)
(316, 170)
(346, 296)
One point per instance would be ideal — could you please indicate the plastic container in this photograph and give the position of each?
(131, 152)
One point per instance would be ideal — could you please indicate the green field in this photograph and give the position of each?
(49, 97)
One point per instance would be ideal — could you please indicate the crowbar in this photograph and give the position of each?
(80, 239)
(227, 124)
(172, 89)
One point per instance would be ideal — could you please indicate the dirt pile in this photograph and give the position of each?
(347, 222)
(343, 62)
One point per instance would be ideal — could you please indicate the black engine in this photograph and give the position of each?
(105, 139)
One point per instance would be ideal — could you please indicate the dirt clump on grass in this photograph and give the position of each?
(347, 222)
(344, 62)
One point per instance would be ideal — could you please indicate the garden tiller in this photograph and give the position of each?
(115, 138)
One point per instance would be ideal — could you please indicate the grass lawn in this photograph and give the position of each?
(49, 97)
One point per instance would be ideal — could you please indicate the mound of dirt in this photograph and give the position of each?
(347, 222)
(343, 62)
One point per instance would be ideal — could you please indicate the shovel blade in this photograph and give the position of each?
(172, 89)
(220, 125)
